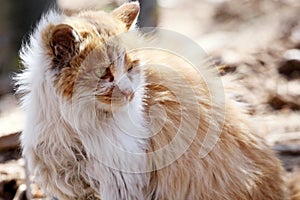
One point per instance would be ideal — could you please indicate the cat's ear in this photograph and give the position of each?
(64, 43)
(127, 13)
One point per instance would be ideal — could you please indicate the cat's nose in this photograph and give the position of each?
(125, 87)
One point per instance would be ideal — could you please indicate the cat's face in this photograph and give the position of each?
(88, 61)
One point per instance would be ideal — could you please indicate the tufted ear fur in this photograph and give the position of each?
(127, 13)
(64, 43)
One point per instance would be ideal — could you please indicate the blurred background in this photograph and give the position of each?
(255, 41)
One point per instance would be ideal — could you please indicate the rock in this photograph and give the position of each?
(292, 54)
(279, 102)
(290, 69)
(21, 193)
(8, 189)
(12, 174)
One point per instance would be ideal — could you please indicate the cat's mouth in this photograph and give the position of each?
(116, 97)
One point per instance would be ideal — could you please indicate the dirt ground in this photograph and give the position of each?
(255, 41)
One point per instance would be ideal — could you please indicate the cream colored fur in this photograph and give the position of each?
(77, 150)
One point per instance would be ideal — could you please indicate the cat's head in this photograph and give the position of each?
(88, 60)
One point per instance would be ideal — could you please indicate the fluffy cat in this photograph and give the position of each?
(103, 122)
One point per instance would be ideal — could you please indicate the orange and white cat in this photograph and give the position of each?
(106, 122)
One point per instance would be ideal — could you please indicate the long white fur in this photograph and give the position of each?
(56, 132)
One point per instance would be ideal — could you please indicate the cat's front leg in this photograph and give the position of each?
(121, 185)
(61, 180)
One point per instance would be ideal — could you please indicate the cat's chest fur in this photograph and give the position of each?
(100, 155)
(112, 159)
(113, 147)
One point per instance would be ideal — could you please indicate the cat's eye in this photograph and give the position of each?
(130, 68)
(101, 72)
(132, 65)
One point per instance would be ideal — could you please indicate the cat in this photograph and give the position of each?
(106, 122)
